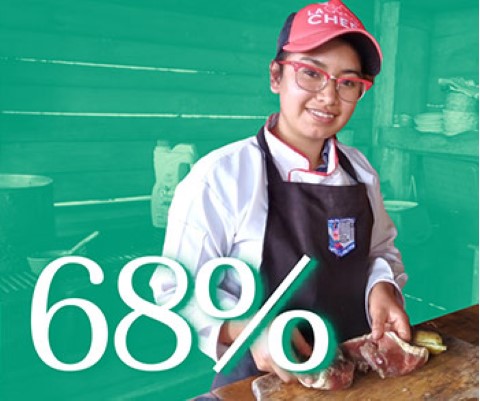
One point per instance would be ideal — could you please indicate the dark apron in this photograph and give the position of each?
(333, 225)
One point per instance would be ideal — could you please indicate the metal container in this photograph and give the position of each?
(26, 218)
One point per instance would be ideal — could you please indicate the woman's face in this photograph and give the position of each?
(306, 119)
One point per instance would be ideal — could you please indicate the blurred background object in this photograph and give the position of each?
(26, 218)
(461, 106)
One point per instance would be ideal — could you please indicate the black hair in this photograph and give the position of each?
(284, 34)
(357, 43)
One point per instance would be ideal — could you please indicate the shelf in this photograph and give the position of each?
(463, 145)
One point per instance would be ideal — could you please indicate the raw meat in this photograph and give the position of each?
(389, 356)
(337, 376)
(351, 350)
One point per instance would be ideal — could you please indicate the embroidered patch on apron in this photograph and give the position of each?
(341, 235)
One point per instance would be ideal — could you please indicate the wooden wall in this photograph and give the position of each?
(434, 41)
(454, 49)
(88, 87)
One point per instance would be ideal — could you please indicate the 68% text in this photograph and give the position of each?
(41, 315)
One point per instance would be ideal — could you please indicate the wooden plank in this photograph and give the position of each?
(82, 219)
(463, 145)
(110, 20)
(387, 28)
(448, 376)
(387, 14)
(247, 11)
(79, 99)
(70, 47)
(86, 185)
(81, 171)
(62, 157)
(413, 63)
(55, 73)
(34, 128)
(462, 324)
(433, 6)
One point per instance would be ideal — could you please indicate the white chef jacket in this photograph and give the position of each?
(220, 209)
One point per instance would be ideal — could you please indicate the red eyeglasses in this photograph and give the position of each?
(314, 79)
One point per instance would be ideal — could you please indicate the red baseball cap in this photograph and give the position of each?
(316, 24)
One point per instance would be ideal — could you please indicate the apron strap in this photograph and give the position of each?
(346, 165)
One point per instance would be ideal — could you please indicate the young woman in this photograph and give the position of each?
(293, 189)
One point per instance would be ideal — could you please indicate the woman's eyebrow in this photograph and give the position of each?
(314, 61)
(319, 64)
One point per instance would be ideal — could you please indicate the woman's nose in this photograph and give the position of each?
(329, 94)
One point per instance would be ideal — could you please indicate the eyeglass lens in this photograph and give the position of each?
(314, 81)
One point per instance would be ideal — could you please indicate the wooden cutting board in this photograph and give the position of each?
(450, 376)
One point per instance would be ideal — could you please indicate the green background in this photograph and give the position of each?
(87, 88)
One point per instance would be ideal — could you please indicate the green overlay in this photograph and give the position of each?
(89, 89)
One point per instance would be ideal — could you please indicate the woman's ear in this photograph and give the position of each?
(275, 76)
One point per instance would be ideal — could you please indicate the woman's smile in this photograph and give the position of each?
(321, 116)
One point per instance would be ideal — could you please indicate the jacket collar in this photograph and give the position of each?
(289, 159)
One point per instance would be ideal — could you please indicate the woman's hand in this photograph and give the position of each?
(260, 350)
(387, 313)
(263, 359)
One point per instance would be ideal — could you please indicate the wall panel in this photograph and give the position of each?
(87, 88)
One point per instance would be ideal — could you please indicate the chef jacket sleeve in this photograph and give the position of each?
(198, 230)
